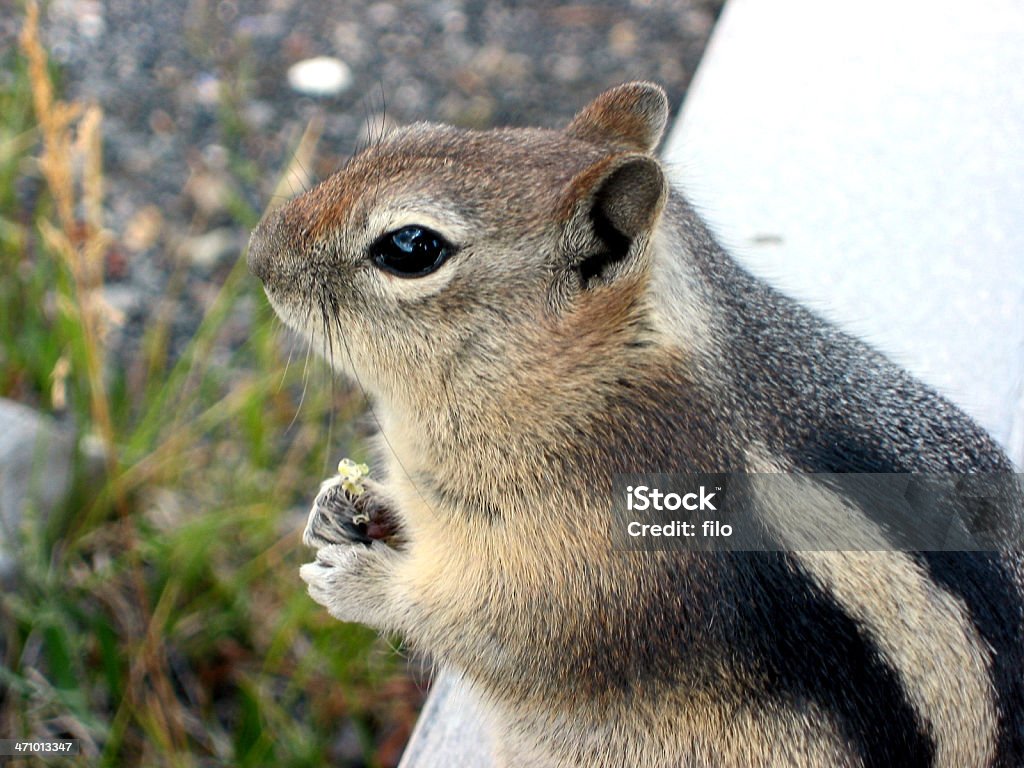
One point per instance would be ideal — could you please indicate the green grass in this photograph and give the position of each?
(159, 616)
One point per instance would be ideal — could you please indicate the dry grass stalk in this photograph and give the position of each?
(81, 244)
(71, 162)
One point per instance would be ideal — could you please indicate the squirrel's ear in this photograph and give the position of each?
(631, 116)
(611, 209)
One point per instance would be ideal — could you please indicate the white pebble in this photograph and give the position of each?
(321, 76)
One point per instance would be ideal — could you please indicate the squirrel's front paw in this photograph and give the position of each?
(339, 516)
(335, 517)
(351, 582)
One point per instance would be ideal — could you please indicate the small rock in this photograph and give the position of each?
(382, 15)
(622, 39)
(90, 19)
(210, 191)
(124, 299)
(207, 89)
(266, 26)
(320, 76)
(208, 250)
(35, 475)
(258, 115)
(568, 69)
(348, 39)
(85, 15)
(143, 229)
(347, 748)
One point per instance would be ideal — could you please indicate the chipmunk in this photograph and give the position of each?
(533, 311)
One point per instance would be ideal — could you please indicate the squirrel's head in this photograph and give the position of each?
(440, 253)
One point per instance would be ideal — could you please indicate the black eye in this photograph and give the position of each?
(411, 251)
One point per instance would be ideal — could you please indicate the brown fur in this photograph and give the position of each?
(584, 326)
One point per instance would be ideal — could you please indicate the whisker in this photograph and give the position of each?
(288, 362)
(305, 365)
(328, 309)
(383, 112)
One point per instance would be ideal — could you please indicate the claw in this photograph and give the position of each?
(340, 517)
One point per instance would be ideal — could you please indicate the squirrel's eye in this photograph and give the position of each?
(411, 251)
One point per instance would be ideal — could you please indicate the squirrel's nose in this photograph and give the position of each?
(266, 246)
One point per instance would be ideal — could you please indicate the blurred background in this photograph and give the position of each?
(151, 604)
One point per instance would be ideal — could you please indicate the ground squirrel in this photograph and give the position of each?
(533, 311)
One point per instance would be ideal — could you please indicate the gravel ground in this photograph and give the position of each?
(200, 118)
